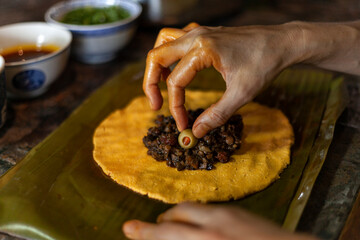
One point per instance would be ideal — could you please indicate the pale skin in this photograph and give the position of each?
(248, 58)
(191, 221)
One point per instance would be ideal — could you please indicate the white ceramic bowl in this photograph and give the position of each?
(2, 92)
(97, 43)
(31, 78)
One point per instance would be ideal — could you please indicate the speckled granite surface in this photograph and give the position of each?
(338, 183)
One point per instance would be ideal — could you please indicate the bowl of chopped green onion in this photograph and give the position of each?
(100, 28)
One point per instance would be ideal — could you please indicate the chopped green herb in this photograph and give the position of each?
(93, 16)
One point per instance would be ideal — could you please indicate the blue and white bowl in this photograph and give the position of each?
(97, 43)
(32, 77)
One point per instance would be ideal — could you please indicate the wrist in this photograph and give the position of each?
(307, 42)
(333, 46)
(296, 42)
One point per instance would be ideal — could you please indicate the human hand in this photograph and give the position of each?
(206, 222)
(248, 58)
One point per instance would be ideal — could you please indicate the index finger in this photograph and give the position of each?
(181, 76)
(135, 229)
(191, 213)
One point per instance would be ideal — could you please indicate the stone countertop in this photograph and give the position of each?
(30, 121)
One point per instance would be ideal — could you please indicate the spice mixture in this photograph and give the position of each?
(217, 146)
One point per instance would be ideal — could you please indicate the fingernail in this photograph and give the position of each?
(180, 128)
(129, 228)
(150, 104)
(200, 129)
(160, 218)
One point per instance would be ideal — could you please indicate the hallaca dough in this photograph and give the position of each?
(264, 153)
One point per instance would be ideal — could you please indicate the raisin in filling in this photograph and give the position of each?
(216, 146)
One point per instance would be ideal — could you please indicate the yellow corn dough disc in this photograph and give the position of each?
(264, 153)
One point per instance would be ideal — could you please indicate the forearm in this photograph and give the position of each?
(333, 46)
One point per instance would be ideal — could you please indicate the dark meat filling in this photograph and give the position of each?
(216, 146)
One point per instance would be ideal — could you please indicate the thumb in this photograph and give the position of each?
(218, 113)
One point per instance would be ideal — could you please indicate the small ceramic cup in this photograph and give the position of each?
(33, 77)
(2, 92)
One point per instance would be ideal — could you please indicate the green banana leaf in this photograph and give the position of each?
(58, 192)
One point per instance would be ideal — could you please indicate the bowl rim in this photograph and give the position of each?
(78, 3)
(44, 57)
(2, 64)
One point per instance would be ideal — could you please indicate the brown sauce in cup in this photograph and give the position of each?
(25, 52)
